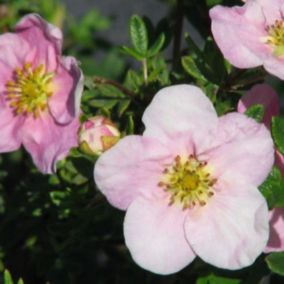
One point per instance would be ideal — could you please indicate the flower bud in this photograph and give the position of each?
(97, 134)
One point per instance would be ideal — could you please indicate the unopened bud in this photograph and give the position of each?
(97, 134)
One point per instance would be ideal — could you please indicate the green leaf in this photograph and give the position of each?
(132, 52)
(7, 277)
(214, 279)
(103, 103)
(275, 262)
(122, 106)
(20, 281)
(273, 189)
(139, 35)
(130, 124)
(157, 46)
(191, 68)
(256, 112)
(277, 128)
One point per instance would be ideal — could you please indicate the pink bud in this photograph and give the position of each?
(97, 134)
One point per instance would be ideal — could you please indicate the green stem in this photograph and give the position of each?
(178, 33)
(145, 70)
(100, 80)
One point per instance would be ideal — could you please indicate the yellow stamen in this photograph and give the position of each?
(275, 37)
(28, 93)
(188, 182)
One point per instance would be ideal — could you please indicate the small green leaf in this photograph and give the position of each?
(139, 35)
(7, 277)
(130, 124)
(277, 128)
(157, 46)
(20, 281)
(132, 52)
(122, 106)
(214, 279)
(256, 112)
(273, 189)
(103, 103)
(191, 68)
(275, 262)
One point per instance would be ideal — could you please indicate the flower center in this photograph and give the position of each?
(188, 182)
(276, 37)
(30, 90)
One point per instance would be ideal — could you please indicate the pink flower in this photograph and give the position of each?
(251, 35)
(263, 94)
(189, 184)
(97, 134)
(40, 93)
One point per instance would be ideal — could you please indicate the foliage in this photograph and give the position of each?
(59, 229)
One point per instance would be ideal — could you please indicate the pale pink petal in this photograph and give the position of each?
(272, 10)
(180, 108)
(47, 141)
(64, 104)
(42, 36)
(276, 236)
(264, 95)
(131, 168)
(10, 128)
(14, 52)
(245, 150)
(238, 32)
(154, 234)
(274, 65)
(231, 230)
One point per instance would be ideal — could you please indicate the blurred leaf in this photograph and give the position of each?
(122, 106)
(277, 128)
(133, 81)
(211, 3)
(191, 68)
(273, 189)
(256, 112)
(139, 35)
(214, 279)
(157, 46)
(275, 262)
(7, 277)
(132, 52)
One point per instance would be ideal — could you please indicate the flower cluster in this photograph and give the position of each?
(190, 183)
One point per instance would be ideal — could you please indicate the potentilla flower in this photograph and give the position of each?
(251, 35)
(264, 95)
(40, 93)
(189, 184)
(97, 134)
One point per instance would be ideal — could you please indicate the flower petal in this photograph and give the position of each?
(276, 237)
(10, 126)
(48, 142)
(131, 168)
(154, 234)
(14, 52)
(176, 109)
(64, 104)
(264, 95)
(231, 231)
(238, 32)
(274, 65)
(42, 36)
(246, 150)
